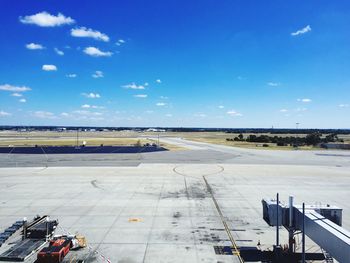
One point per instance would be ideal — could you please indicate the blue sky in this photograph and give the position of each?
(175, 63)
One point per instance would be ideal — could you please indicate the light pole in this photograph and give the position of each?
(296, 136)
(77, 138)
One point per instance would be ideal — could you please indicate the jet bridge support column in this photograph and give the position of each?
(290, 226)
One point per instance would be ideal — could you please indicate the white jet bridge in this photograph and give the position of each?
(322, 224)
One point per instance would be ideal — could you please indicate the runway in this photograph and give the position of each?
(194, 152)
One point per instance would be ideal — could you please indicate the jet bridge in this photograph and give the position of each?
(322, 224)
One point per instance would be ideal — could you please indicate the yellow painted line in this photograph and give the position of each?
(234, 245)
(135, 220)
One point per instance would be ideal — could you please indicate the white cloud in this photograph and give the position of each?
(158, 81)
(34, 46)
(71, 75)
(146, 84)
(16, 94)
(301, 31)
(141, 96)
(97, 74)
(85, 106)
(164, 97)
(65, 114)
(95, 52)
(44, 115)
(169, 115)
(221, 106)
(343, 105)
(23, 100)
(8, 87)
(283, 110)
(133, 86)
(273, 84)
(49, 68)
(59, 52)
(91, 95)
(160, 104)
(4, 113)
(233, 113)
(44, 19)
(88, 32)
(120, 42)
(304, 100)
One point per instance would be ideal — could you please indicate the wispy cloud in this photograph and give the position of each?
(95, 52)
(97, 74)
(304, 100)
(83, 115)
(33, 46)
(88, 32)
(169, 115)
(200, 115)
(73, 75)
(143, 96)
(44, 115)
(91, 95)
(274, 84)
(22, 100)
(87, 113)
(233, 113)
(49, 68)
(15, 94)
(59, 52)
(88, 106)
(301, 31)
(161, 104)
(8, 87)
(221, 106)
(283, 110)
(158, 81)
(4, 113)
(343, 105)
(44, 19)
(65, 114)
(133, 86)
(300, 109)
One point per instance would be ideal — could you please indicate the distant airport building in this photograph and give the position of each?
(155, 130)
(342, 146)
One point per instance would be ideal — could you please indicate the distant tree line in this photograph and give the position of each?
(183, 129)
(310, 139)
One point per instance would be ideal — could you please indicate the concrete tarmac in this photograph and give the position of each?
(156, 207)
